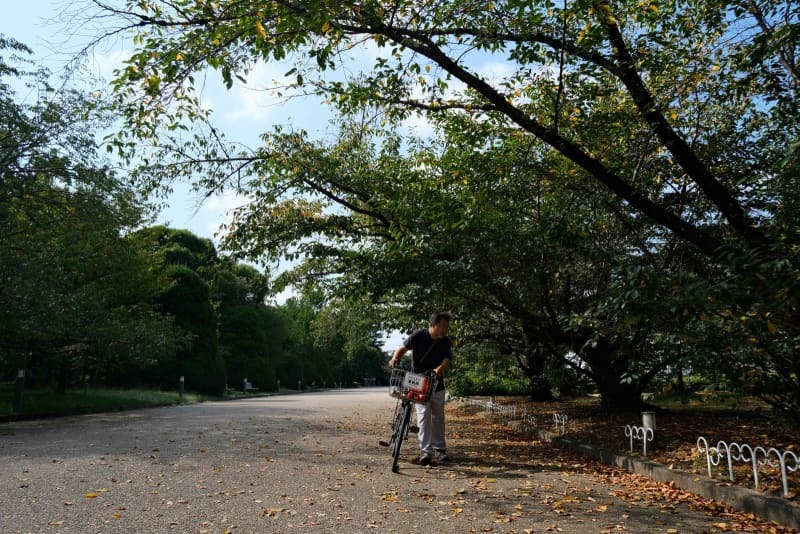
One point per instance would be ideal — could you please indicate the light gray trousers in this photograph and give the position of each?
(430, 420)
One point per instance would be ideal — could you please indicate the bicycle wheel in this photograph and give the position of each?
(396, 418)
(401, 432)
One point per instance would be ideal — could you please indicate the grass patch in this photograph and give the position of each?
(47, 403)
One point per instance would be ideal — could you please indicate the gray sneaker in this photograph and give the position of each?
(442, 456)
(425, 459)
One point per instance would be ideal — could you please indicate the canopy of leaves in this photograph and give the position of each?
(74, 293)
(664, 125)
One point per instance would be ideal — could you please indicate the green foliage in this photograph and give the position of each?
(351, 329)
(248, 352)
(618, 195)
(187, 300)
(45, 403)
(234, 284)
(74, 295)
(85, 298)
(482, 372)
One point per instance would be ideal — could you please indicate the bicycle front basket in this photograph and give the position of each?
(412, 386)
(396, 383)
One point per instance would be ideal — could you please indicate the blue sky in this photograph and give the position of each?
(242, 113)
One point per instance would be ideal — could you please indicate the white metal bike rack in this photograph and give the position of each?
(786, 461)
(642, 433)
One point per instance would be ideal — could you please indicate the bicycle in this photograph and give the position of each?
(408, 388)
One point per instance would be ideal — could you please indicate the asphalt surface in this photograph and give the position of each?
(294, 463)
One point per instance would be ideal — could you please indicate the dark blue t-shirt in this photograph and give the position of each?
(428, 353)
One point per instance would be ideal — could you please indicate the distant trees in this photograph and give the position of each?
(88, 295)
(74, 293)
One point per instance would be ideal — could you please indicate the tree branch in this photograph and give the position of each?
(678, 147)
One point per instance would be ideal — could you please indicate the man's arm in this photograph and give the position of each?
(444, 366)
(402, 349)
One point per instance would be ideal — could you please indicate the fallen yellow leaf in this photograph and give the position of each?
(272, 512)
(90, 495)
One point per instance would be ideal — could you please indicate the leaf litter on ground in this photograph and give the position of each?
(678, 431)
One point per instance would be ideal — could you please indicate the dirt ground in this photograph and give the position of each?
(679, 426)
(312, 462)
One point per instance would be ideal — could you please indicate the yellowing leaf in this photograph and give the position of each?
(90, 495)
(272, 512)
(260, 30)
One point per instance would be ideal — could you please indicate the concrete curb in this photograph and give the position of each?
(743, 499)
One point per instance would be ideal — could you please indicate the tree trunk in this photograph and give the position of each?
(608, 372)
(534, 365)
(619, 397)
(62, 374)
(540, 388)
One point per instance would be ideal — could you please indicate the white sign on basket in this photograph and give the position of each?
(414, 381)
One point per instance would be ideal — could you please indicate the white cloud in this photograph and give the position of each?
(288, 293)
(189, 211)
(369, 50)
(495, 71)
(103, 64)
(218, 210)
(392, 340)
(418, 126)
(254, 99)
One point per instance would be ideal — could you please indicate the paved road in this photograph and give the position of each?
(289, 464)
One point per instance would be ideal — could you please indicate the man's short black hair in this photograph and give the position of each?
(438, 317)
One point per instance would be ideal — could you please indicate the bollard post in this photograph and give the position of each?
(19, 384)
(181, 385)
(279, 386)
(299, 385)
(649, 421)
